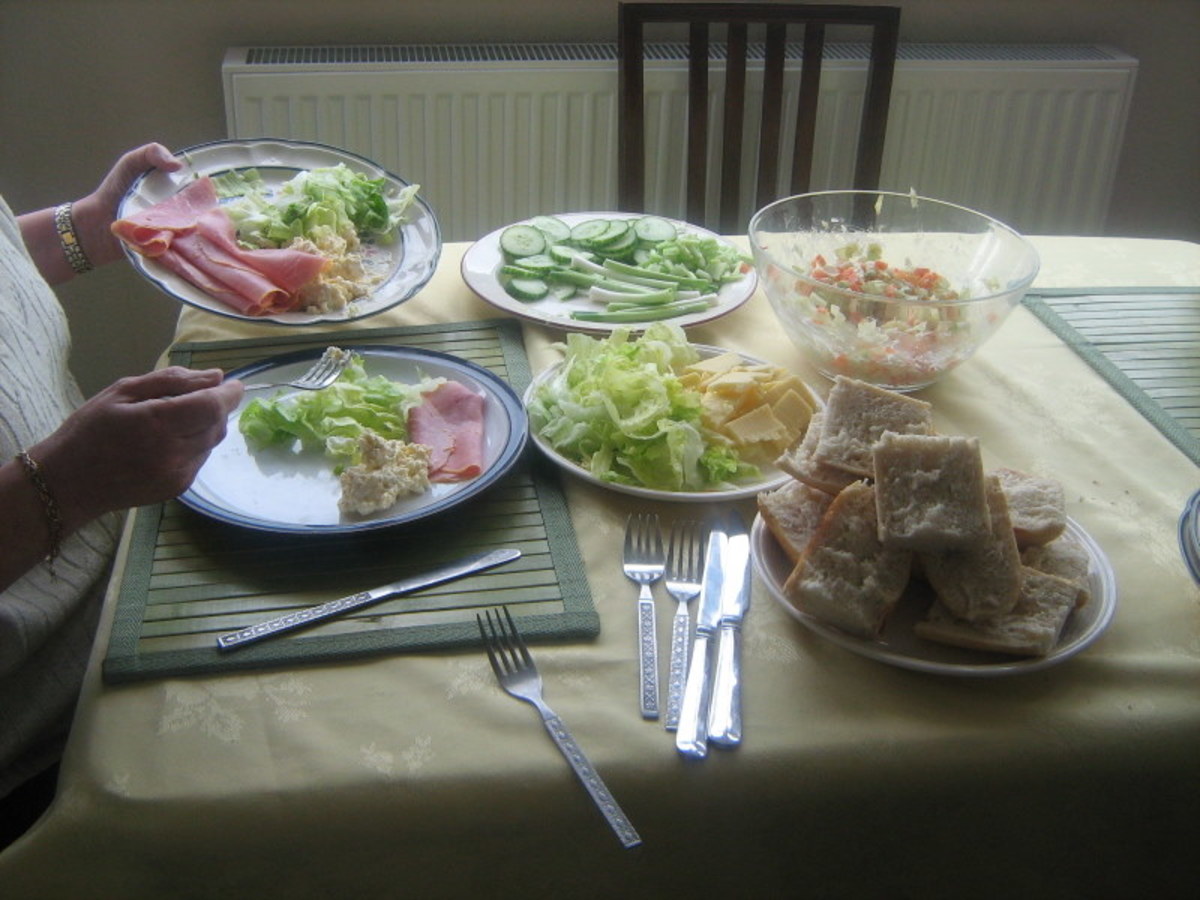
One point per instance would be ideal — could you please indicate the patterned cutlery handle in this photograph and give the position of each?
(680, 634)
(648, 655)
(591, 779)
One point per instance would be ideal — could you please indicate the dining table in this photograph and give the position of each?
(392, 766)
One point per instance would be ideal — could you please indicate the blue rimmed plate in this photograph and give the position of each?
(409, 262)
(286, 490)
(1189, 536)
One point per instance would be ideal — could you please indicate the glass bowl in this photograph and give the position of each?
(892, 289)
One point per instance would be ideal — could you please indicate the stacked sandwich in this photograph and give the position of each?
(877, 499)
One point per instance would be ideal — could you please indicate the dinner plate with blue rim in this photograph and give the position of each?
(290, 490)
(404, 265)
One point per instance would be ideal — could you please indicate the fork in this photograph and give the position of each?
(324, 372)
(643, 565)
(685, 561)
(517, 674)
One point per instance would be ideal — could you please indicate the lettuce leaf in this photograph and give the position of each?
(333, 197)
(617, 408)
(331, 420)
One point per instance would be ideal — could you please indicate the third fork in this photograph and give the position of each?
(685, 564)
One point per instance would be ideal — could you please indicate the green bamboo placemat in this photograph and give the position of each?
(189, 578)
(1146, 344)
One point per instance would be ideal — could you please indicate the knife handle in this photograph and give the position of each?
(648, 655)
(298, 619)
(691, 738)
(725, 711)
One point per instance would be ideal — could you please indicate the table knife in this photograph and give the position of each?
(691, 737)
(311, 615)
(725, 708)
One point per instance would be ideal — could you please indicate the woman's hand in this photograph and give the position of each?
(92, 216)
(141, 440)
(95, 213)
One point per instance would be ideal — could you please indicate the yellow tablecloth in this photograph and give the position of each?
(415, 776)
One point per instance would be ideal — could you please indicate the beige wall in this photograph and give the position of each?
(82, 80)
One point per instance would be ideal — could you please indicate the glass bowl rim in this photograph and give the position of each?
(1017, 289)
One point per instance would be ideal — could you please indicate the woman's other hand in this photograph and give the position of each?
(141, 440)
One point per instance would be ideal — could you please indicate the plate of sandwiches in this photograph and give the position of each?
(896, 543)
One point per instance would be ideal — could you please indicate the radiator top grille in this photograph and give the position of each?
(663, 51)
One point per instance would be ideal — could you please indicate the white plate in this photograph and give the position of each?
(770, 475)
(411, 260)
(899, 646)
(1189, 536)
(483, 259)
(284, 490)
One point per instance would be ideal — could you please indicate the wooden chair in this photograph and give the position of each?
(884, 23)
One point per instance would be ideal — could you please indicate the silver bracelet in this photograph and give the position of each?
(65, 226)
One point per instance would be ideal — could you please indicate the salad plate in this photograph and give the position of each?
(481, 271)
(899, 646)
(292, 491)
(407, 263)
(769, 475)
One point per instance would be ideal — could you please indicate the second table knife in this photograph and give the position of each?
(691, 737)
(725, 708)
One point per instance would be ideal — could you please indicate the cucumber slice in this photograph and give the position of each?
(586, 233)
(538, 264)
(563, 254)
(563, 291)
(527, 289)
(522, 240)
(654, 229)
(510, 270)
(553, 227)
(617, 231)
(623, 246)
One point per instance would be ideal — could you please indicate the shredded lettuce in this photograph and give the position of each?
(335, 198)
(617, 408)
(332, 419)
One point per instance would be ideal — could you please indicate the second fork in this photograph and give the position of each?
(644, 564)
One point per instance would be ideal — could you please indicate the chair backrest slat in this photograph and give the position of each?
(697, 145)
(770, 132)
(806, 108)
(776, 18)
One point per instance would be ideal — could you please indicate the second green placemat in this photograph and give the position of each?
(188, 578)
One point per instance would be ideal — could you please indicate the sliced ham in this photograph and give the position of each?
(288, 269)
(151, 230)
(450, 423)
(190, 235)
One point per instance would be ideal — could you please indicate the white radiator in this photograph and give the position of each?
(1030, 134)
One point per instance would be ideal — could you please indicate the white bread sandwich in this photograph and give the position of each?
(1065, 557)
(800, 463)
(981, 581)
(856, 414)
(930, 492)
(792, 513)
(845, 577)
(1036, 505)
(1032, 628)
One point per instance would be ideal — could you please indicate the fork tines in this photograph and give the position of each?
(506, 649)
